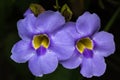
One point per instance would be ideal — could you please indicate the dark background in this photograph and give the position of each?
(12, 10)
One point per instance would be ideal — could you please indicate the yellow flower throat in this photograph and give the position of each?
(83, 44)
(40, 40)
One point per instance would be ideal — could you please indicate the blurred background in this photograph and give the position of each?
(12, 10)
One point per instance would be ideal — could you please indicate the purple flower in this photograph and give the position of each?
(39, 45)
(90, 46)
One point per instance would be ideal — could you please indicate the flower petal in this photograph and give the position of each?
(63, 43)
(49, 62)
(27, 12)
(99, 65)
(86, 68)
(70, 28)
(43, 64)
(22, 52)
(73, 62)
(104, 43)
(49, 21)
(62, 52)
(26, 27)
(35, 66)
(87, 24)
(65, 35)
(93, 66)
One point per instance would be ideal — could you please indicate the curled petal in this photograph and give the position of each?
(104, 43)
(87, 24)
(22, 52)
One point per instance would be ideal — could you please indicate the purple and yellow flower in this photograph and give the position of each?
(39, 45)
(90, 46)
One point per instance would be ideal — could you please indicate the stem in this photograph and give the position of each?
(101, 4)
(57, 5)
(107, 27)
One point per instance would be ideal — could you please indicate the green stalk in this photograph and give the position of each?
(57, 5)
(108, 26)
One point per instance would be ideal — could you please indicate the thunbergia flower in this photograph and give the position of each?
(90, 46)
(39, 45)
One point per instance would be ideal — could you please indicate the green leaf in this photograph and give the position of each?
(109, 24)
(101, 4)
(66, 12)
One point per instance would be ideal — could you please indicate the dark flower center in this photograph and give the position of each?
(40, 40)
(85, 43)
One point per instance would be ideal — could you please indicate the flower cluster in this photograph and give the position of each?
(47, 40)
